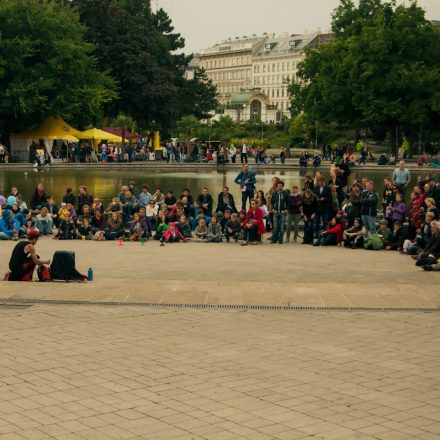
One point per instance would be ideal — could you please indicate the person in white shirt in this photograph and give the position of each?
(244, 153)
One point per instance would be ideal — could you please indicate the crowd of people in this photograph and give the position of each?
(321, 212)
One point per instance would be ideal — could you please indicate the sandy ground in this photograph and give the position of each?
(202, 273)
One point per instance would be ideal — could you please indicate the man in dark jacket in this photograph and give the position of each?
(323, 200)
(205, 201)
(279, 202)
(84, 198)
(39, 198)
(369, 199)
(226, 201)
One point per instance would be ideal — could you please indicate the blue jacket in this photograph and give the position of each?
(9, 226)
(247, 180)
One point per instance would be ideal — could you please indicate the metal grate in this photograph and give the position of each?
(23, 303)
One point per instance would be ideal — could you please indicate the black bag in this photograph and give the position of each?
(63, 267)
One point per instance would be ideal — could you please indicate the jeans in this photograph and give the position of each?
(244, 197)
(279, 220)
(45, 226)
(369, 223)
(320, 215)
(292, 218)
(244, 158)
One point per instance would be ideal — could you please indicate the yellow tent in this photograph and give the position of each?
(51, 128)
(97, 134)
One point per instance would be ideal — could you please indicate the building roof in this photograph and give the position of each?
(233, 45)
(245, 96)
(284, 45)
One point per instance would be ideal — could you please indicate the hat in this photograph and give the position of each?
(33, 233)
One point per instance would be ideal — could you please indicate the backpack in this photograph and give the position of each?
(44, 273)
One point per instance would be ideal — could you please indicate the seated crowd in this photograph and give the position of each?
(331, 213)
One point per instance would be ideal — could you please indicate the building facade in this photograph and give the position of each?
(252, 73)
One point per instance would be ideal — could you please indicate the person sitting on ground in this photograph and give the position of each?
(253, 225)
(99, 223)
(44, 222)
(184, 227)
(215, 234)
(354, 237)
(162, 226)
(159, 198)
(86, 214)
(114, 206)
(145, 197)
(24, 259)
(232, 228)
(69, 197)
(151, 211)
(384, 232)
(431, 254)
(85, 230)
(97, 205)
(431, 207)
(62, 212)
(129, 206)
(225, 201)
(224, 219)
(170, 200)
(66, 229)
(205, 202)
(39, 198)
(139, 229)
(9, 226)
(200, 215)
(397, 239)
(114, 229)
(332, 236)
(201, 231)
(172, 235)
(53, 211)
(72, 212)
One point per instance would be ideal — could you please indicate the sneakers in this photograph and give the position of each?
(244, 243)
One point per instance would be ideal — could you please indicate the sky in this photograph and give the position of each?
(205, 22)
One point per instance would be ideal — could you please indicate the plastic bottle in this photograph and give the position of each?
(90, 274)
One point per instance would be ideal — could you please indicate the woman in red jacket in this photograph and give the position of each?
(253, 224)
(334, 233)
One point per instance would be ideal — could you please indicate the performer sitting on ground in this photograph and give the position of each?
(24, 259)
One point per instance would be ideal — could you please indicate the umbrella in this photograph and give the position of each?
(97, 134)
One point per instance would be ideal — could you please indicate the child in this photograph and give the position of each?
(63, 211)
(172, 235)
(66, 230)
(85, 230)
(161, 227)
(138, 228)
(214, 231)
(232, 228)
(333, 234)
(201, 231)
(184, 227)
(226, 217)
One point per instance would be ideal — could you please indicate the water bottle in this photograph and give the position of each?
(90, 274)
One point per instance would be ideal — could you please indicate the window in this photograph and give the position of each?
(283, 66)
(278, 67)
(278, 93)
(264, 67)
(282, 106)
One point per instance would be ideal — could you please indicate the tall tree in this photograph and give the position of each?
(142, 50)
(382, 69)
(46, 68)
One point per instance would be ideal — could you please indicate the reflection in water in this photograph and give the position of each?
(106, 184)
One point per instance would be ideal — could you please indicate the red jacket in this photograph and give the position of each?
(337, 230)
(258, 216)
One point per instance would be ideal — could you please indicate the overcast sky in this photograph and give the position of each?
(206, 22)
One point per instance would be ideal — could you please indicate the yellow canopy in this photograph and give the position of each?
(52, 128)
(97, 134)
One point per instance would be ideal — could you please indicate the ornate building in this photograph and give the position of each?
(252, 73)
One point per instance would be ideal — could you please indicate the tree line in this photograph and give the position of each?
(93, 61)
(380, 73)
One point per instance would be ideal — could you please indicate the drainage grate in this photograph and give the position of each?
(29, 303)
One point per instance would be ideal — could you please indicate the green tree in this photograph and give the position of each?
(301, 128)
(144, 54)
(50, 69)
(123, 123)
(188, 127)
(382, 69)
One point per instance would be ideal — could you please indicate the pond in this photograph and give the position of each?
(106, 183)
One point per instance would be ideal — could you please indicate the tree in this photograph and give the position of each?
(124, 123)
(50, 69)
(188, 127)
(382, 69)
(301, 128)
(144, 54)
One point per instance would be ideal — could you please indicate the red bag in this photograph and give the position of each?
(44, 273)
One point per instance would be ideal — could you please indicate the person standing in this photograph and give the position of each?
(247, 180)
(244, 153)
(2, 153)
(294, 213)
(402, 178)
(24, 258)
(279, 203)
(323, 201)
(369, 201)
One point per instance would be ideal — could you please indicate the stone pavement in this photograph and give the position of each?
(97, 372)
(206, 273)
